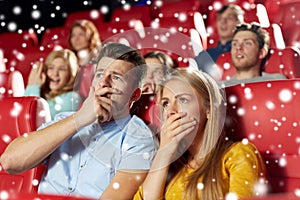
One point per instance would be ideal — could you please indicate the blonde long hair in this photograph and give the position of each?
(213, 144)
(73, 67)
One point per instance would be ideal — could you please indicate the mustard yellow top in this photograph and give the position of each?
(242, 166)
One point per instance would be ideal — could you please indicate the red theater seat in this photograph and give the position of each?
(285, 61)
(18, 116)
(147, 109)
(11, 84)
(11, 41)
(286, 14)
(94, 16)
(84, 80)
(266, 114)
(24, 59)
(167, 9)
(55, 36)
(132, 13)
(33, 196)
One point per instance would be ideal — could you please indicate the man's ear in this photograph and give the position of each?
(263, 53)
(135, 96)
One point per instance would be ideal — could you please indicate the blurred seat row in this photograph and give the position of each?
(171, 26)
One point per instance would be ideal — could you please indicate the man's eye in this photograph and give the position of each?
(99, 75)
(116, 78)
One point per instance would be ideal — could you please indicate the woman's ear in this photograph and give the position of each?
(207, 113)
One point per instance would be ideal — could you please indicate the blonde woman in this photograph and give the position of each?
(84, 40)
(194, 160)
(54, 81)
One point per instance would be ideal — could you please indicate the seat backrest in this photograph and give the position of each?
(147, 109)
(287, 15)
(84, 80)
(166, 9)
(55, 36)
(24, 59)
(10, 41)
(224, 63)
(18, 116)
(93, 15)
(266, 114)
(132, 13)
(285, 61)
(11, 84)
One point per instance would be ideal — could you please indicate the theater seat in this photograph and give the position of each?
(11, 84)
(266, 114)
(93, 15)
(24, 59)
(18, 116)
(285, 61)
(55, 36)
(148, 110)
(84, 80)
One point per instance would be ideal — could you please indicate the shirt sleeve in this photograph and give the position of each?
(33, 90)
(138, 148)
(244, 168)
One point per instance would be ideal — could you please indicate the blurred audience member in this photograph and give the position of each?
(84, 40)
(158, 66)
(54, 81)
(227, 18)
(250, 47)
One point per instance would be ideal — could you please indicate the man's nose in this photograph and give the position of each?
(105, 81)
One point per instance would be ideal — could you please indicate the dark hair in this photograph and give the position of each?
(262, 35)
(123, 52)
(163, 58)
(237, 9)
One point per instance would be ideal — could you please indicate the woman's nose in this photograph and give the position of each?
(172, 109)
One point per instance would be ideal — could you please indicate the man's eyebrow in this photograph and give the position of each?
(112, 72)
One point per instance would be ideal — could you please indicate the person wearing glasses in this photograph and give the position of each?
(227, 18)
(250, 47)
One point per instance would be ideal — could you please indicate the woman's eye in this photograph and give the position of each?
(165, 104)
(183, 100)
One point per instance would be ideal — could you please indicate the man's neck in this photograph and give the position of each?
(247, 74)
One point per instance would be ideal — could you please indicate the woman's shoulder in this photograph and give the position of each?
(238, 149)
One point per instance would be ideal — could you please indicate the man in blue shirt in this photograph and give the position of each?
(100, 151)
(227, 18)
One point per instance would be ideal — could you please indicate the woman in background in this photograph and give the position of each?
(84, 40)
(54, 81)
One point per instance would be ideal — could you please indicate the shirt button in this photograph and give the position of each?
(81, 166)
(94, 139)
(69, 188)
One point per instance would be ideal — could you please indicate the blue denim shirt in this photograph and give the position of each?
(86, 163)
